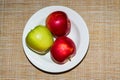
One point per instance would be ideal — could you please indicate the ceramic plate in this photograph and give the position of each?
(79, 34)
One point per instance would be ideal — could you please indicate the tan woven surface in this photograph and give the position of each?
(102, 61)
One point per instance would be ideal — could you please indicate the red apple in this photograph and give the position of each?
(62, 50)
(58, 23)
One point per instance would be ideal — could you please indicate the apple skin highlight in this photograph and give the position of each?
(58, 23)
(62, 50)
(39, 39)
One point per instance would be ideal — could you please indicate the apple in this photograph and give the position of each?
(62, 50)
(39, 39)
(58, 23)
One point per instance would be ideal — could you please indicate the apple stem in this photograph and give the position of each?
(69, 59)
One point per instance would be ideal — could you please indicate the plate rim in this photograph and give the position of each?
(31, 60)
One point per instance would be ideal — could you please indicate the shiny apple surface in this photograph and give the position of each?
(62, 50)
(39, 39)
(58, 23)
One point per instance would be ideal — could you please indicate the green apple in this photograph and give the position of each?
(39, 39)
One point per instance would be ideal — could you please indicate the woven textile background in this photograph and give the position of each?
(102, 61)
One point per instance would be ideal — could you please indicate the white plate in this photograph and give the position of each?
(79, 34)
